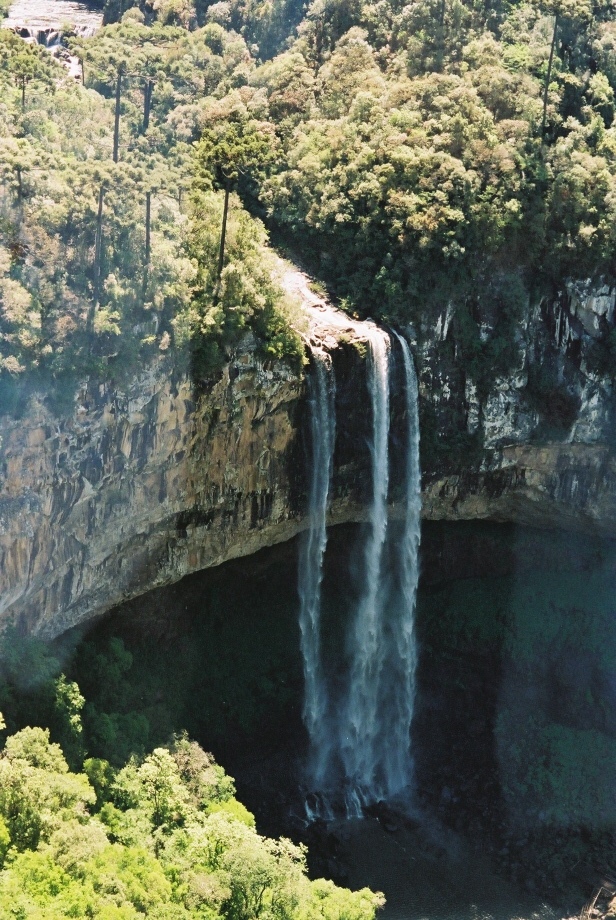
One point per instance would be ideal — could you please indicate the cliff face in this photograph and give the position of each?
(537, 445)
(137, 488)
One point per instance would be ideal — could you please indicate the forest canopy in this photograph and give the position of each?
(109, 236)
(412, 155)
(163, 837)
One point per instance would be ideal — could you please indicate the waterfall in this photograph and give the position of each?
(403, 659)
(360, 736)
(359, 728)
(312, 549)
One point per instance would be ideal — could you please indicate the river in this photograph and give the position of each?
(36, 17)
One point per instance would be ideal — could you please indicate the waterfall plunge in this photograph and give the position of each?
(360, 747)
(359, 727)
(322, 391)
(402, 664)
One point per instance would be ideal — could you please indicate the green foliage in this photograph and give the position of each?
(37, 792)
(402, 148)
(165, 845)
(100, 776)
(417, 154)
(233, 145)
(236, 682)
(414, 170)
(79, 296)
(68, 705)
(247, 296)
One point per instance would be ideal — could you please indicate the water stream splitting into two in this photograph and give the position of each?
(360, 745)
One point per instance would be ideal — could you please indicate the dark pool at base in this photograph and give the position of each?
(446, 884)
(511, 623)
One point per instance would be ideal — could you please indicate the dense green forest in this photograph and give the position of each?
(412, 155)
(161, 837)
(109, 240)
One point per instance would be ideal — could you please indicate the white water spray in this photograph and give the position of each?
(402, 663)
(360, 734)
(310, 567)
(360, 720)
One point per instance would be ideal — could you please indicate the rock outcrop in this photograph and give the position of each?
(137, 488)
(538, 447)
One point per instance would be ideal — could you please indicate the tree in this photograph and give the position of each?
(18, 159)
(228, 150)
(150, 66)
(116, 120)
(68, 705)
(98, 258)
(27, 63)
(35, 784)
(579, 11)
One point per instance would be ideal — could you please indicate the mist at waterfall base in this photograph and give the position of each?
(358, 712)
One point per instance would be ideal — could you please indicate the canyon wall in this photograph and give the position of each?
(136, 488)
(537, 446)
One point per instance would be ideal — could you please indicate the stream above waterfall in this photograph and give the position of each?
(36, 20)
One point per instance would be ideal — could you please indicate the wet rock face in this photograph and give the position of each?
(536, 446)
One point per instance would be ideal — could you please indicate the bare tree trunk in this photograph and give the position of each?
(98, 252)
(116, 127)
(223, 234)
(20, 187)
(147, 104)
(23, 93)
(440, 42)
(148, 241)
(548, 77)
(83, 71)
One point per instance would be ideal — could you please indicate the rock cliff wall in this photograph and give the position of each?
(136, 488)
(537, 445)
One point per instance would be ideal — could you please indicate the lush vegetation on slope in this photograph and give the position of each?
(414, 138)
(104, 264)
(439, 151)
(162, 837)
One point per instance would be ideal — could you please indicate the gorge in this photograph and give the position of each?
(222, 550)
(257, 460)
(137, 486)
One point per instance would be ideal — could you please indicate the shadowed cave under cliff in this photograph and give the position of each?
(514, 733)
